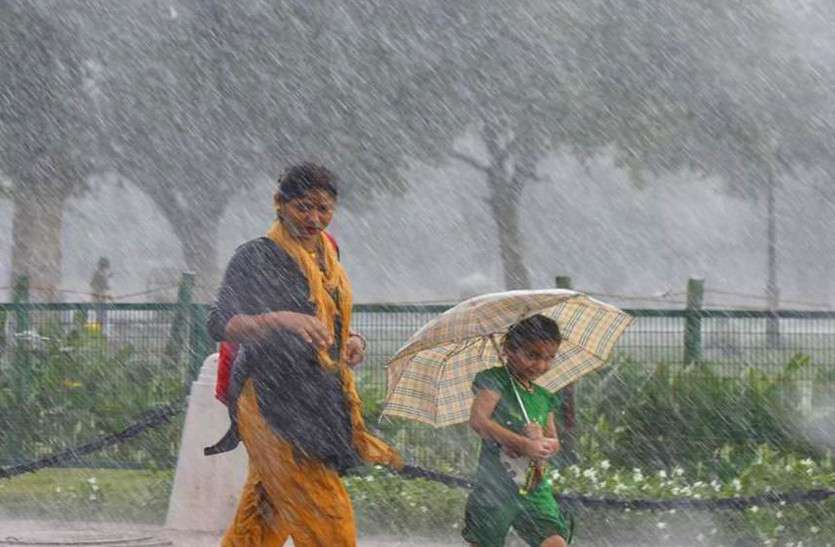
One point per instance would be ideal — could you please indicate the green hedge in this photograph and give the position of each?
(682, 415)
(78, 386)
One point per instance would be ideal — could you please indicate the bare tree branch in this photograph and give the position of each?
(469, 161)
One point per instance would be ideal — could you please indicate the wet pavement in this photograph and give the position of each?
(37, 533)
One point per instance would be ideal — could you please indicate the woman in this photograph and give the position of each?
(286, 300)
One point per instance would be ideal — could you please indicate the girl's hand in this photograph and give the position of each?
(538, 449)
(307, 326)
(354, 350)
(552, 444)
(533, 431)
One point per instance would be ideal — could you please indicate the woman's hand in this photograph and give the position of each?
(307, 326)
(354, 350)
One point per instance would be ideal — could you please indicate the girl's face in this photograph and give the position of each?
(532, 359)
(307, 216)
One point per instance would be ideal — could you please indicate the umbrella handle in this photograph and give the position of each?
(512, 380)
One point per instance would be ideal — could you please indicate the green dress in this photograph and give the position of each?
(495, 503)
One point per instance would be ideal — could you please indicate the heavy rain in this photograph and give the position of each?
(672, 160)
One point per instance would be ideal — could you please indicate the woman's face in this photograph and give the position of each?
(532, 359)
(307, 216)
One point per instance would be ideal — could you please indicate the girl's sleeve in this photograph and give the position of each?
(486, 380)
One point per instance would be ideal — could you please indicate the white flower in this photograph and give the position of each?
(716, 485)
(369, 478)
(807, 462)
(575, 470)
(590, 474)
(700, 537)
(779, 528)
(678, 471)
(423, 509)
(662, 474)
(92, 480)
(779, 514)
(736, 484)
(661, 525)
(605, 465)
(754, 509)
(58, 489)
(814, 529)
(92, 497)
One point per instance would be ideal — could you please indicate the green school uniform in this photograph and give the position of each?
(495, 503)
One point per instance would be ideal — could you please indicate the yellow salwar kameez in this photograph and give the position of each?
(290, 492)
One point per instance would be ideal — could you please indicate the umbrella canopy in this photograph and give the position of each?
(429, 378)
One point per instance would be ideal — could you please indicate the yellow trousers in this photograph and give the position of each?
(286, 496)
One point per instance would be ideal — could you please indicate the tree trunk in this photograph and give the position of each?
(505, 196)
(198, 235)
(36, 240)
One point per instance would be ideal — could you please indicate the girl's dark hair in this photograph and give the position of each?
(532, 329)
(299, 179)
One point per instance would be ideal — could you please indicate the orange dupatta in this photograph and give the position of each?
(322, 285)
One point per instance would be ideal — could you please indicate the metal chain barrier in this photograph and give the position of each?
(163, 415)
(151, 419)
(737, 503)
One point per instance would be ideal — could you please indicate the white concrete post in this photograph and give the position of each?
(206, 488)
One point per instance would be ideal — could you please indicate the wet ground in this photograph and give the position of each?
(32, 533)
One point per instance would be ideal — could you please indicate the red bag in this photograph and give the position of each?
(228, 351)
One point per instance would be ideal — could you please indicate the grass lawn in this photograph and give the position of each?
(88, 494)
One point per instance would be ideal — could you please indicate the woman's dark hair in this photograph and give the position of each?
(299, 179)
(532, 329)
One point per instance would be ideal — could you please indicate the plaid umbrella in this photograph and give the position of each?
(429, 378)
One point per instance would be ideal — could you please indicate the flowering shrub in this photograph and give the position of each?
(385, 503)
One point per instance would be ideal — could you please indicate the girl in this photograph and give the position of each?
(510, 432)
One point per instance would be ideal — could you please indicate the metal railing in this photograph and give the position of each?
(70, 371)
